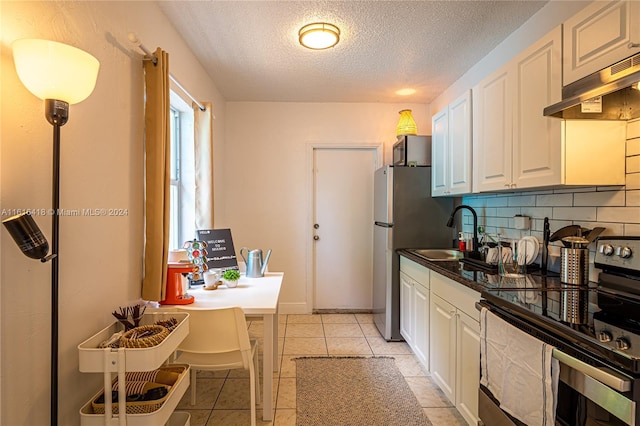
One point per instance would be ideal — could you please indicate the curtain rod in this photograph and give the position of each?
(134, 39)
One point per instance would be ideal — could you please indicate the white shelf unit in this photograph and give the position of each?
(108, 361)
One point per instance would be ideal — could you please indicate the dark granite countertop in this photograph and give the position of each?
(474, 278)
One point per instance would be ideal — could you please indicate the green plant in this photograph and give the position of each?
(231, 275)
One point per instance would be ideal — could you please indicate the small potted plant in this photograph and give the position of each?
(231, 277)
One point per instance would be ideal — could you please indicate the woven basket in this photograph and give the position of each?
(150, 335)
(139, 407)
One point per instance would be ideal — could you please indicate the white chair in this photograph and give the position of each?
(218, 340)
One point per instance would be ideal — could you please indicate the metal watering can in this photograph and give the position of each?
(255, 265)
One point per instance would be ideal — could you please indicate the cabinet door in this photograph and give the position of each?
(439, 153)
(598, 36)
(442, 345)
(492, 138)
(468, 367)
(460, 145)
(406, 308)
(421, 324)
(537, 142)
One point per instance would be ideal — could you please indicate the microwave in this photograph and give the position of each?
(412, 150)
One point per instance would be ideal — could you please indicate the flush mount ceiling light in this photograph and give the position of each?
(319, 35)
(405, 92)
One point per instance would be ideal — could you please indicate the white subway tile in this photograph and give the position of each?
(633, 181)
(632, 230)
(633, 198)
(554, 200)
(508, 212)
(619, 214)
(537, 212)
(633, 164)
(575, 213)
(610, 227)
(497, 202)
(609, 198)
(522, 201)
(633, 147)
(633, 129)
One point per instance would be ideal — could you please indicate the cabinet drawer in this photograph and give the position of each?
(457, 294)
(414, 270)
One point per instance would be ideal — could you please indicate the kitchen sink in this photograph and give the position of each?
(441, 255)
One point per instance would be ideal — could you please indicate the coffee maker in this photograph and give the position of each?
(175, 294)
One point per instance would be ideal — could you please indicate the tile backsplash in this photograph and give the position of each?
(615, 208)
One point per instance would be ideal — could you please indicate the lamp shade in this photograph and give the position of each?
(406, 125)
(52, 70)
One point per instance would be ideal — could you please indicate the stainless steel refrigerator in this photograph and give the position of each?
(405, 216)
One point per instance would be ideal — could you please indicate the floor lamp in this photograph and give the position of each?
(60, 75)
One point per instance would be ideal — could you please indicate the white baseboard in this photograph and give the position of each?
(293, 308)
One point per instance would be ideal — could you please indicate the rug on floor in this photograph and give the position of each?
(354, 391)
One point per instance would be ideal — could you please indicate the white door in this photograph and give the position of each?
(343, 227)
(442, 345)
(406, 308)
(440, 153)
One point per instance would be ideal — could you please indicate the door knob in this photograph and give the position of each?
(315, 237)
(316, 226)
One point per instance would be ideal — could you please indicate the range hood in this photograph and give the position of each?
(609, 94)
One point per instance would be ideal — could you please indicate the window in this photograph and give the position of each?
(174, 190)
(182, 190)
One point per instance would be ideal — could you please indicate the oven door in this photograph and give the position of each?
(587, 394)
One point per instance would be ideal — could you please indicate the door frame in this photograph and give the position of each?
(311, 147)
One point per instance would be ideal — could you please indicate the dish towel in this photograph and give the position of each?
(519, 370)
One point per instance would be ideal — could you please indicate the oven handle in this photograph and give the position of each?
(609, 378)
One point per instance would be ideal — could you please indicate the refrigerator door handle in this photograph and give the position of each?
(383, 224)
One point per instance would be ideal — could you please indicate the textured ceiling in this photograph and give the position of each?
(251, 49)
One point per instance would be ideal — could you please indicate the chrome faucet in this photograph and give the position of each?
(475, 225)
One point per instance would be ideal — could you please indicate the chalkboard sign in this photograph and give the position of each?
(220, 251)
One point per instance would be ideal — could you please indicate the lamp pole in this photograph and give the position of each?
(57, 113)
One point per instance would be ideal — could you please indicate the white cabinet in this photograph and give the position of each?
(598, 36)
(414, 308)
(516, 147)
(492, 136)
(455, 344)
(451, 148)
(406, 307)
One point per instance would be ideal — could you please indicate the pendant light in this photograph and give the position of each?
(406, 125)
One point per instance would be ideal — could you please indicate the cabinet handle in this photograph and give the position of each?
(507, 185)
(633, 45)
(513, 185)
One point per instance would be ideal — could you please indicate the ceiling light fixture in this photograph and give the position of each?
(405, 92)
(319, 36)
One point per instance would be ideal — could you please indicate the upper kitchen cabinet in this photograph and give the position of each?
(451, 148)
(516, 147)
(599, 35)
(492, 135)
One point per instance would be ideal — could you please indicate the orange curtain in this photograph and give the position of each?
(157, 176)
(203, 141)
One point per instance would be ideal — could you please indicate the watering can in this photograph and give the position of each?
(255, 265)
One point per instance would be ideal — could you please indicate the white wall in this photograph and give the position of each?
(102, 167)
(267, 204)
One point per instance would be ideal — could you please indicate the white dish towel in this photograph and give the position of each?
(518, 370)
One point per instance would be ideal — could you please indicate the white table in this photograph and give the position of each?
(256, 297)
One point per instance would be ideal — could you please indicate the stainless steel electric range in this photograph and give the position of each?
(595, 330)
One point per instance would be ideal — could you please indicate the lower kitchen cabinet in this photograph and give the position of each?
(455, 343)
(414, 308)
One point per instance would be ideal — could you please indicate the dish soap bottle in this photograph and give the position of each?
(462, 245)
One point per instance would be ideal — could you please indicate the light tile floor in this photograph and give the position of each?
(223, 397)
